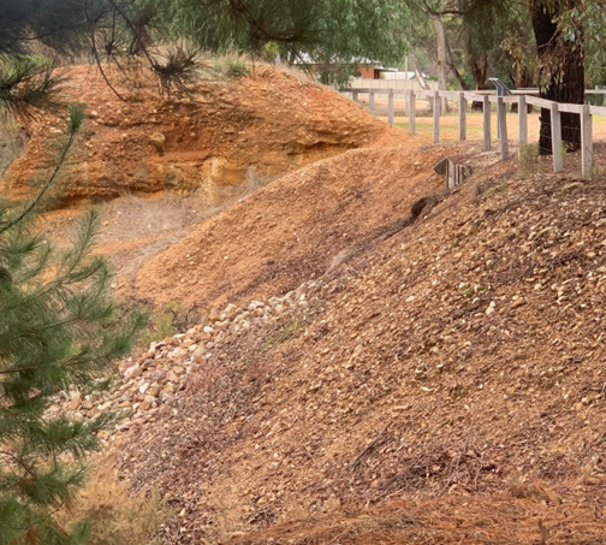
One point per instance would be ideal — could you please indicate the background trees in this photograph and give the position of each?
(534, 43)
(332, 34)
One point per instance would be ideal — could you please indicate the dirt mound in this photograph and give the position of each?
(461, 357)
(295, 228)
(267, 124)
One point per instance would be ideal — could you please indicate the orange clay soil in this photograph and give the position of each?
(213, 136)
(295, 227)
(444, 385)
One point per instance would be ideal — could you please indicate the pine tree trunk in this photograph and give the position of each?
(563, 76)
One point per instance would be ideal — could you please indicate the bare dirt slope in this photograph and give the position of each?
(210, 137)
(295, 228)
(451, 375)
(434, 375)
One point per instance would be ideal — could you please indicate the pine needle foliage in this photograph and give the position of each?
(58, 331)
(26, 81)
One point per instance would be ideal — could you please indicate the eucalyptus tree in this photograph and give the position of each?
(561, 52)
(326, 33)
(563, 30)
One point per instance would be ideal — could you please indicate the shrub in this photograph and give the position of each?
(528, 159)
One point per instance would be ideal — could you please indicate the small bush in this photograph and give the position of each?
(528, 159)
(236, 68)
(172, 319)
(270, 52)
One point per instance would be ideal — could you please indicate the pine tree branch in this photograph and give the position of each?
(45, 187)
(64, 280)
(70, 362)
(17, 460)
(133, 29)
(98, 59)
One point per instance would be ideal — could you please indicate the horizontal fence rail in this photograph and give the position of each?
(436, 98)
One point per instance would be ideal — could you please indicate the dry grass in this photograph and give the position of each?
(533, 515)
(116, 516)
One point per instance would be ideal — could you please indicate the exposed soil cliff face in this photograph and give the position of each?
(271, 122)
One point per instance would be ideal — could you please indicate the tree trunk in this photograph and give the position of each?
(454, 69)
(442, 65)
(562, 77)
(418, 71)
(478, 67)
(421, 78)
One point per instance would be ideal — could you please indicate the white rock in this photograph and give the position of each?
(133, 372)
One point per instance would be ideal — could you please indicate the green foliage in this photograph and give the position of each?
(270, 51)
(26, 81)
(168, 321)
(58, 330)
(323, 32)
(585, 25)
(235, 68)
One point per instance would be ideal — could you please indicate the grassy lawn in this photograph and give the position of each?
(449, 123)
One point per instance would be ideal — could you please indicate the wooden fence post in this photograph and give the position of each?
(502, 122)
(436, 116)
(522, 122)
(390, 107)
(354, 95)
(371, 101)
(412, 113)
(462, 117)
(587, 142)
(556, 138)
(486, 117)
(451, 179)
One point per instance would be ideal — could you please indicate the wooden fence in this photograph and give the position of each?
(463, 98)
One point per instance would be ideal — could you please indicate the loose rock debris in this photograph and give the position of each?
(445, 385)
(451, 376)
